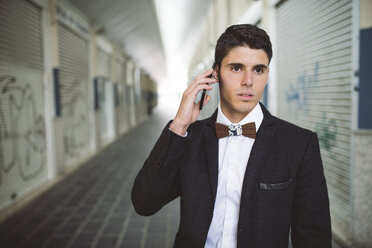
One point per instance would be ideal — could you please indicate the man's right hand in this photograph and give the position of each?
(188, 110)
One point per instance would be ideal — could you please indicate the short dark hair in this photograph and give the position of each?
(241, 35)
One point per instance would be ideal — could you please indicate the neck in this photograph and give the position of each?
(233, 116)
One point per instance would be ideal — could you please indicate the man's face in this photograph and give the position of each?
(242, 78)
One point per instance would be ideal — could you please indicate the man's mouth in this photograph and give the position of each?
(246, 96)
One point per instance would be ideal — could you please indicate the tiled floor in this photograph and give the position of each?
(92, 207)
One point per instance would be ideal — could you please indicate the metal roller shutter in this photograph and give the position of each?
(22, 120)
(73, 65)
(315, 85)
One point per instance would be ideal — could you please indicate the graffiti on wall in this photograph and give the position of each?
(327, 133)
(76, 126)
(22, 130)
(297, 95)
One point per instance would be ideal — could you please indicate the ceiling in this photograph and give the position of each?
(154, 33)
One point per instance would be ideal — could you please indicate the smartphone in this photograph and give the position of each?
(203, 95)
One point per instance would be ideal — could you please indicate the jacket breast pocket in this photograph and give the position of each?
(275, 186)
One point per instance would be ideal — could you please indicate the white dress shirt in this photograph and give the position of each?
(233, 155)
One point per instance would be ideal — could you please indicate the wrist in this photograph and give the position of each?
(178, 128)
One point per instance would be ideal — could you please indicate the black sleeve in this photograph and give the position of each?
(310, 223)
(157, 182)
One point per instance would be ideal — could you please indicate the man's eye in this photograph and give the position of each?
(259, 70)
(236, 68)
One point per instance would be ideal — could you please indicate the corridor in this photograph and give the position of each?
(87, 86)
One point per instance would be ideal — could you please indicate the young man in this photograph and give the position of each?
(237, 191)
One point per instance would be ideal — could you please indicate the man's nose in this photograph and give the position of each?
(247, 78)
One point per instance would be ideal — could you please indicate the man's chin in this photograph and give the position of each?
(246, 107)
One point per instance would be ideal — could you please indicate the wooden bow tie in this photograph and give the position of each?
(248, 130)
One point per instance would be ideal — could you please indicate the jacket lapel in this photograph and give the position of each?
(260, 146)
(211, 142)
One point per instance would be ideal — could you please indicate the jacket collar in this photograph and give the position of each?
(211, 142)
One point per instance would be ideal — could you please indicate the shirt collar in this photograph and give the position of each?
(256, 115)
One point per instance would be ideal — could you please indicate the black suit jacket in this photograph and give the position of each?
(284, 186)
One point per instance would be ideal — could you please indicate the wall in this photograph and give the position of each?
(362, 188)
(365, 14)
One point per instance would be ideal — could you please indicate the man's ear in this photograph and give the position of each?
(216, 72)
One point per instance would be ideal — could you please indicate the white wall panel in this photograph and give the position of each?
(105, 95)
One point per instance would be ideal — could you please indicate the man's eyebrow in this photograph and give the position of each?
(260, 66)
(235, 64)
